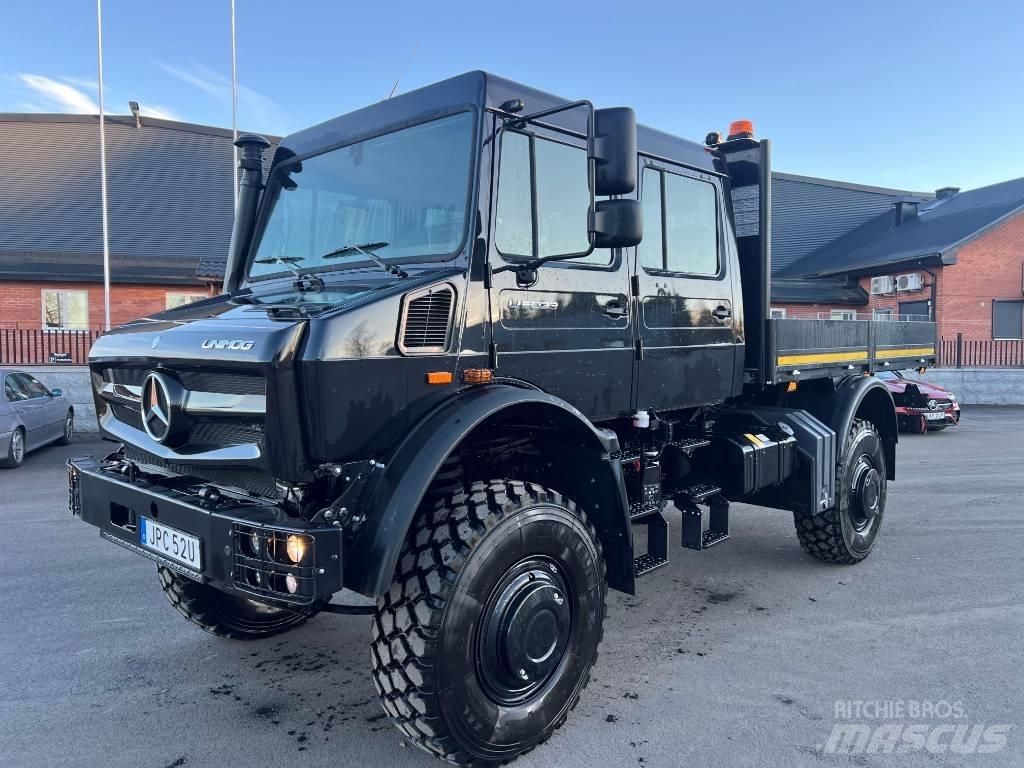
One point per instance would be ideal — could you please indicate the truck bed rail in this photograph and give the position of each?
(807, 349)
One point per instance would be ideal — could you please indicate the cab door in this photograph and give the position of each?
(688, 328)
(570, 332)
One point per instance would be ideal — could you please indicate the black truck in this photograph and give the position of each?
(474, 342)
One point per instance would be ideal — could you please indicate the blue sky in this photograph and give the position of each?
(912, 95)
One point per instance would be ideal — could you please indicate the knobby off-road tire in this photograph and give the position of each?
(227, 615)
(487, 636)
(847, 532)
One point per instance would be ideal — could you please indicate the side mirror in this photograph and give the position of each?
(617, 223)
(55, 393)
(614, 151)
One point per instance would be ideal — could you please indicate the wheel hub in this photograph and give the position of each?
(525, 631)
(867, 492)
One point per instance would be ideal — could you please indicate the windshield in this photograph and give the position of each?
(407, 190)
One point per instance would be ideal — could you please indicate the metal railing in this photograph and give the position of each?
(853, 315)
(958, 352)
(45, 346)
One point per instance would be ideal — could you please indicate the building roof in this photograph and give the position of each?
(818, 290)
(169, 190)
(934, 234)
(808, 212)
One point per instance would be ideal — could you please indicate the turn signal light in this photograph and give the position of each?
(477, 375)
(741, 129)
(439, 377)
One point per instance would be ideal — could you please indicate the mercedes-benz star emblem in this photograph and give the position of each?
(156, 407)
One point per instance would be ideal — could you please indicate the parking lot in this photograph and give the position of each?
(741, 655)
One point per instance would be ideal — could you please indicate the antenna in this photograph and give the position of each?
(402, 73)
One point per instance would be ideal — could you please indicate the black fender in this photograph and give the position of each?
(865, 397)
(389, 505)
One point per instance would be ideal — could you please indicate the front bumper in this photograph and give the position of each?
(909, 416)
(114, 502)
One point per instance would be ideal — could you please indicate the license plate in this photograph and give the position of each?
(937, 416)
(173, 544)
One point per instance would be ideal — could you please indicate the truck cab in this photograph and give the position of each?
(471, 337)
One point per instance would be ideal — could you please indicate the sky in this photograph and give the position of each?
(909, 95)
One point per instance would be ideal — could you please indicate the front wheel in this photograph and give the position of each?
(846, 533)
(15, 450)
(225, 615)
(69, 429)
(487, 636)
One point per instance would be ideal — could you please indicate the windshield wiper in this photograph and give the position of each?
(304, 282)
(367, 250)
(287, 261)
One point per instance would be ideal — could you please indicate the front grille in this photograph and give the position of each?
(225, 383)
(220, 434)
(128, 415)
(233, 383)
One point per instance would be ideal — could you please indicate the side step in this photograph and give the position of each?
(657, 545)
(698, 534)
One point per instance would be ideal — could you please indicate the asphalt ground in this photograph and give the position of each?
(748, 654)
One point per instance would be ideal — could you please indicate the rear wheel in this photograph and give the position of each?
(226, 615)
(488, 634)
(15, 450)
(846, 533)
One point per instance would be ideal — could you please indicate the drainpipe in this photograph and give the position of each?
(251, 163)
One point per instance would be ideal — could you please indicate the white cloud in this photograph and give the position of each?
(70, 94)
(81, 82)
(63, 97)
(264, 112)
(155, 110)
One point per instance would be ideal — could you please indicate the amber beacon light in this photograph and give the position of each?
(741, 129)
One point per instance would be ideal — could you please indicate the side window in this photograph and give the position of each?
(13, 391)
(680, 223)
(31, 386)
(543, 199)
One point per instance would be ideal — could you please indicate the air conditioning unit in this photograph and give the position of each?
(911, 282)
(882, 285)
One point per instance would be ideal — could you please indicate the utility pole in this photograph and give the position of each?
(234, 109)
(103, 171)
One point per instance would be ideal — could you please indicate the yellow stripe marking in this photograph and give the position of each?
(754, 440)
(911, 352)
(822, 357)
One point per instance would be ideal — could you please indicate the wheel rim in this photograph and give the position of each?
(17, 446)
(865, 500)
(69, 427)
(526, 628)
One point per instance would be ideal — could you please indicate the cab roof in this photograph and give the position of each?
(478, 89)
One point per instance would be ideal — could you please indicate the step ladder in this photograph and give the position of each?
(657, 544)
(701, 531)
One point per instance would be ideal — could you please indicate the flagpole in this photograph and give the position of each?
(234, 108)
(103, 171)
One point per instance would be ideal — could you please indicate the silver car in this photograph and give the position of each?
(31, 416)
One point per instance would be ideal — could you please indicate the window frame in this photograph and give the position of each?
(882, 313)
(773, 310)
(62, 327)
(265, 208)
(833, 312)
(715, 184)
(1020, 306)
(563, 261)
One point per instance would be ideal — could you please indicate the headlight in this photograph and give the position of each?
(952, 397)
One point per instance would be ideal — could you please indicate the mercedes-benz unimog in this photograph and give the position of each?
(471, 340)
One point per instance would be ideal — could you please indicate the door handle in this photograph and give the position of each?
(615, 310)
(722, 313)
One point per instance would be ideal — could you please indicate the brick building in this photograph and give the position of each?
(957, 259)
(170, 209)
